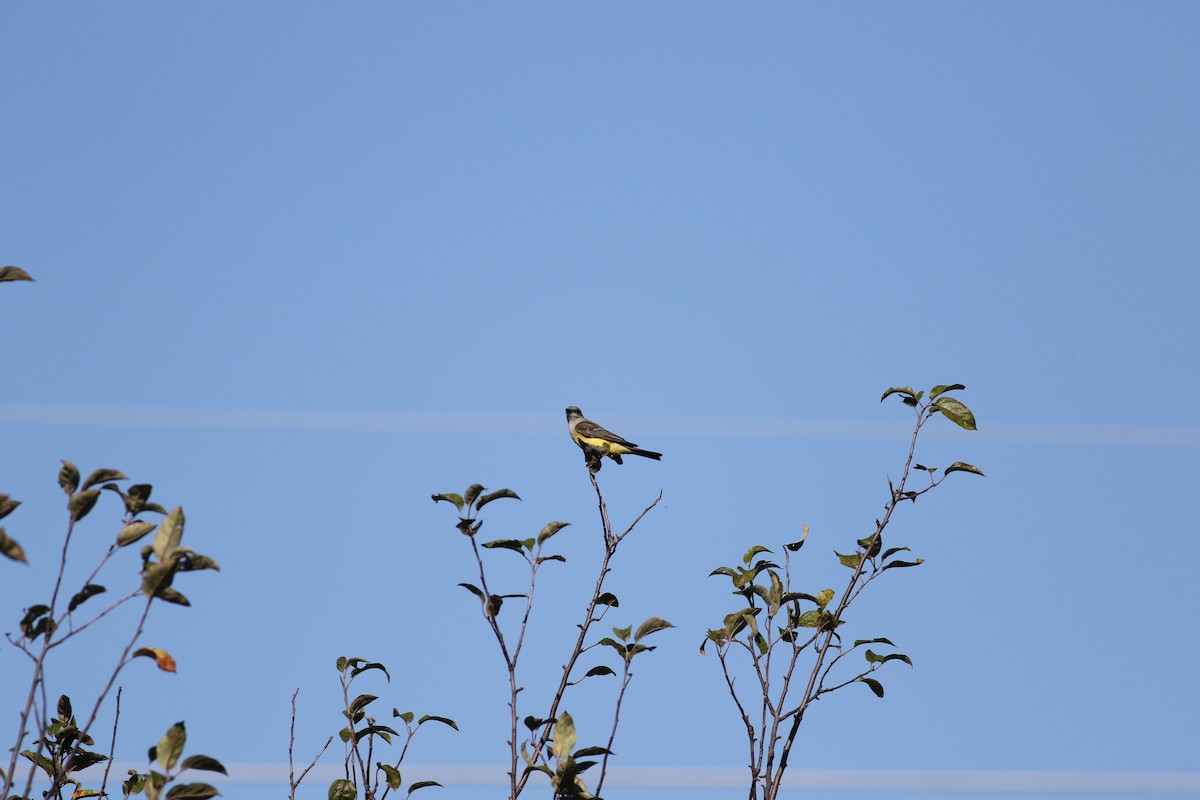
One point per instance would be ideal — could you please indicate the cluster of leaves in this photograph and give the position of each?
(46, 626)
(363, 733)
(10, 548)
(549, 745)
(566, 773)
(60, 753)
(168, 753)
(780, 624)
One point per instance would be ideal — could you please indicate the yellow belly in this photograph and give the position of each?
(604, 446)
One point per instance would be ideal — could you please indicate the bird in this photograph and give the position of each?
(597, 442)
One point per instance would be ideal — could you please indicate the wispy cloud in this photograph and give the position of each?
(550, 423)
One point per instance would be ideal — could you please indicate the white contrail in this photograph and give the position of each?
(962, 781)
(549, 423)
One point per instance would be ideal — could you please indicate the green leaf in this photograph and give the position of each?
(432, 718)
(103, 475)
(892, 564)
(550, 529)
(875, 685)
(84, 759)
(68, 477)
(37, 758)
(170, 747)
(456, 499)
(956, 412)
(621, 649)
(80, 597)
(10, 548)
(554, 557)
(940, 388)
(472, 493)
(652, 625)
(792, 597)
(564, 735)
(133, 532)
(592, 751)
(14, 274)
(533, 723)
(31, 615)
(170, 533)
(7, 505)
(960, 466)
(190, 562)
(175, 596)
(407, 716)
(342, 789)
(810, 619)
(475, 590)
(80, 504)
(752, 552)
(392, 774)
(600, 670)
(608, 599)
(823, 597)
(369, 666)
(907, 391)
(496, 495)
(136, 497)
(64, 708)
(134, 783)
(852, 560)
(506, 544)
(361, 702)
(874, 541)
(879, 640)
(422, 785)
(157, 578)
(622, 633)
(382, 731)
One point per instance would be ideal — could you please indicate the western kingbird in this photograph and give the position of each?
(596, 442)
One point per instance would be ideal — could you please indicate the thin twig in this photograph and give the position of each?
(610, 549)
(848, 595)
(38, 667)
(625, 677)
(112, 748)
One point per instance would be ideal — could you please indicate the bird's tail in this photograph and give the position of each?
(645, 453)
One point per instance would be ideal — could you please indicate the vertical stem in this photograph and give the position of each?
(38, 674)
(823, 647)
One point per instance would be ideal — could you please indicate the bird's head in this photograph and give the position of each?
(573, 413)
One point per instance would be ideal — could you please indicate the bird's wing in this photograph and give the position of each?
(590, 430)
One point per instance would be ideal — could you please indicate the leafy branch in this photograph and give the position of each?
(780, 624)
(46, 626)
(361, 735)
(549, 747)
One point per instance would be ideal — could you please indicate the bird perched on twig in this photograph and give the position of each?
(597, 442)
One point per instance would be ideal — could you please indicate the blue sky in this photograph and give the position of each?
(301, 266)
